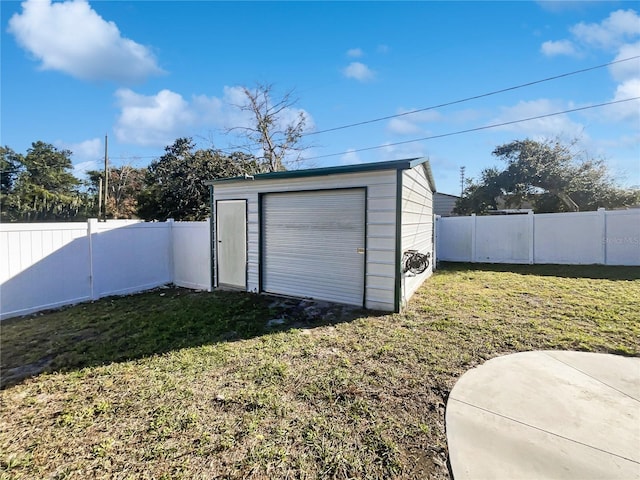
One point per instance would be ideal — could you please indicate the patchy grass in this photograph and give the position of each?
(124, 328)
(192, 385)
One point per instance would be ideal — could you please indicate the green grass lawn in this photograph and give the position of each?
(180, 384)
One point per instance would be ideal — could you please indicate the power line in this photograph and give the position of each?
(475, 97)
(433, 107)
(485, 127)
(455, 102)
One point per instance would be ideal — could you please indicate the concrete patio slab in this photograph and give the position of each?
(616, 371)
(546, 415)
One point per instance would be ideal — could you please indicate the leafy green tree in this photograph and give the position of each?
(10, 167)
(45, 188)
(174, 184)
(549, 176)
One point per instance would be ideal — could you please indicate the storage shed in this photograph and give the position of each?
(443, 204)
(359, 234)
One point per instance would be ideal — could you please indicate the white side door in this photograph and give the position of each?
(231, 243)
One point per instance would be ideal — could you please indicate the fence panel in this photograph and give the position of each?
(191, 255)
(569, 238)
(130, 257)
(43, 265)
(582, 238)
(54, 264)
(498, 241)
(622, 239)
(453, 235)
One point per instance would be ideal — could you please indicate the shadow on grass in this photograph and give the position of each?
(117, 329)
(596, 272)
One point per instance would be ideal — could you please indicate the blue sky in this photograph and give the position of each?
(146, 73)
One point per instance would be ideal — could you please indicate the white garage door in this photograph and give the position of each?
(313, 244)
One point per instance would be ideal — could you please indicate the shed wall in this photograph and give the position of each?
(444, 204)
(417, 224)
(380, 228)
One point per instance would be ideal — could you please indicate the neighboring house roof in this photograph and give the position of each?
(455, 197)
(443, 204)
(361, 167)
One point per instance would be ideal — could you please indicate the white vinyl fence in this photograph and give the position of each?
(582, 238)
(48, 265)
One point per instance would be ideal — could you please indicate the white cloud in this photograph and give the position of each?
(355, 53)
(542, 128)
(399, 152)
(630, 69)
(222, 112)
(154, 120)
(81, 169)
(351, 157)
(290, 115)
(157, 120)
(561, 47)
(629, 89)
(225, 113)
(412, 124)
(625, 141)
(402, 126)
(619, 33)
(618, 29)
(228, 114)
(613, 31)
(626, 110)
(72, 38)
(358, 71)
(86, 155)
(627, 74)
(465, 116)
(87, 150)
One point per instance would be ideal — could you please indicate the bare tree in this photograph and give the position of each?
(277, 127)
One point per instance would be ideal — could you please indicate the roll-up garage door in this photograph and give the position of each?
(313, 244)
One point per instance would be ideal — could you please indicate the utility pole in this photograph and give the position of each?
(462, 169)
(99, 198)
(106, 174)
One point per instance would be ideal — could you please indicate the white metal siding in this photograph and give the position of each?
(313, 244)
(381, 224)
(417, 224)
(444, 204)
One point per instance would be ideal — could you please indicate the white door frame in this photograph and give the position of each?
(231, 244)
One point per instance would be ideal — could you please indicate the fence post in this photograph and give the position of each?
(473, 238)
(172, 270)
(436, 239)
(603, 216)
(92, 227)
(532, 236)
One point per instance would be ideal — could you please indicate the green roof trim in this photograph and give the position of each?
(341, 169)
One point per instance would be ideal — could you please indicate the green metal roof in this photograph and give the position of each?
(341, 169)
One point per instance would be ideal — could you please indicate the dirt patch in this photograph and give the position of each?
(306, 313)
(12, 375)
